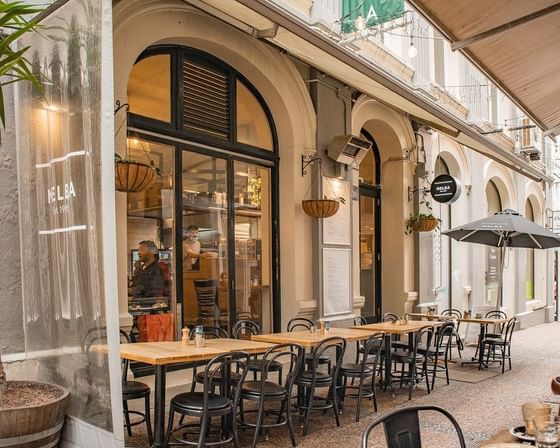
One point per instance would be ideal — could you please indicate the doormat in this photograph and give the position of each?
(469, 373)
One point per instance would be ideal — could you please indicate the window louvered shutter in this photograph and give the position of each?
(206, 100)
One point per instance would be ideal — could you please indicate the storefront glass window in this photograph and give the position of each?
(530, 254)
(149, 88)
(493, 254)
(150, 244)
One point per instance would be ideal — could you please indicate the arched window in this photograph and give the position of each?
(211, 101)
(530, 254)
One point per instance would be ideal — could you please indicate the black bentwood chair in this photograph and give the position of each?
(490, 344)
(209, 333)
(265, 391)
(455, 314)
(440, 351)
(207, 405)
(245, 329)
(302, 323)
(131, 390)
(402, 427)
(371, 356)
(312, 379)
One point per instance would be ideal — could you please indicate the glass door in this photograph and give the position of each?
(204, 220)
(369, 253)
(252, 227)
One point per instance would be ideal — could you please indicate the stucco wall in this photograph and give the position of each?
(11, 320)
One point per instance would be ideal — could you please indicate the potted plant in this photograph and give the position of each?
(322, 208)
(424, 221)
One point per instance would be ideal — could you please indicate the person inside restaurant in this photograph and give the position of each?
(191, 249)
(148, 277)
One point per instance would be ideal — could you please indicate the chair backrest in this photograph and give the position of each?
(335, 343)
(206, 292)
(291, 356)
(301, 323)
(210, 332)
(508, 331)
(496, 314)
(360, 320)
(453, 312)
(372, 348)
(402, 428)
(244, 327)
(390, 317)
(444, 337)
(424, 334)
(216, 370)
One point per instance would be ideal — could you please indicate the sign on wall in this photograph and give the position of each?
(336, 281)
(445, 189)
(374, 11)
(337, 229)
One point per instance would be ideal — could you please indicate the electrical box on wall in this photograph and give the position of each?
(348, 149)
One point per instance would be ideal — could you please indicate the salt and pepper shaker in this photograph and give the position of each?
(321, 326)
(185, 337)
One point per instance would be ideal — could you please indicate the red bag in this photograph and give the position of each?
(156, 327)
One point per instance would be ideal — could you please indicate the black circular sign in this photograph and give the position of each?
(445, 189)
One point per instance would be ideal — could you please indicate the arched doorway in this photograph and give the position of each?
(493, 254)
(370, 231)
(212, 212)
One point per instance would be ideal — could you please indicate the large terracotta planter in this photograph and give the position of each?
(37, 425)
(423, 224)
(320, 208)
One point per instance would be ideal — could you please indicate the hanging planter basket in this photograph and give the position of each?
(320, 208)
(423, 223)
(133, 177)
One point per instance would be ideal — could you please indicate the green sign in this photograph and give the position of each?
(374, 11)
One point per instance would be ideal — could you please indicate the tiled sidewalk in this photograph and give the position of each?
(481, 408)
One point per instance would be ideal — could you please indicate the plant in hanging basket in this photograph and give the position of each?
(321, 208)
(422, 222)
(132, 176)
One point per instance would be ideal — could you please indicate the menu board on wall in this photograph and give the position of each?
(336, 281)
(337, 229)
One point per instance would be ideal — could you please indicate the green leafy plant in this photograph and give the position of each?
(14, 66)
(415, 220)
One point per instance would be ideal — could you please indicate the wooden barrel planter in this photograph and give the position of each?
(320, 208)
(35, 423)
(423, 224)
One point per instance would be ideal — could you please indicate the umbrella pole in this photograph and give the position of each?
(501, 276)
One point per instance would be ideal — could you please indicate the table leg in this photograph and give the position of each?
(481, 347)
(388, 376)
(159, 407)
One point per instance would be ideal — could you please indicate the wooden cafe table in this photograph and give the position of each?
(482, 321)
(309, 340)
(162, 354)
(389, 328)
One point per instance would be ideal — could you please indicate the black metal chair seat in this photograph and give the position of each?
(352, 369)
(306, 378)
(193, 401)
(217, 378)
(134, 389)
(407, 357)
(252, 389)
(258, 365)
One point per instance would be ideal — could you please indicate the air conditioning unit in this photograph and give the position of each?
(348, 149)
(531, 152)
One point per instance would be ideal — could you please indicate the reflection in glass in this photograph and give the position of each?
(253, 294)
(150, 246)
(253, 127)
(149, 87)
(205, 264)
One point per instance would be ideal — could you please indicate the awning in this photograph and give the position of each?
(291, 33)
(514, 42)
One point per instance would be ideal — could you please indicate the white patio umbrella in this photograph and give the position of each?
(505, 229)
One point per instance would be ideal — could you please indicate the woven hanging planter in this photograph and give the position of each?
(320, 208)
(423, 224)
(133, 177)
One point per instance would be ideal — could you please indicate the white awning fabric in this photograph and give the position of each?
(299, 39)
(514, 42)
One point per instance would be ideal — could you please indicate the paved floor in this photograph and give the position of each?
(481, 408)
